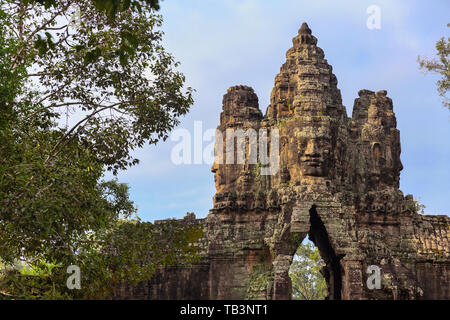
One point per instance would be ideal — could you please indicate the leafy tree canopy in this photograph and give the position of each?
(441, 66)
(82, 84)
(308, 282)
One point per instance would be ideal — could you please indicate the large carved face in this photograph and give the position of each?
(217, 176)
(314, 148)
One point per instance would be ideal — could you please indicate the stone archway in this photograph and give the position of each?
(312, 226)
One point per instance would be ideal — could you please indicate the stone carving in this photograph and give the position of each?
(338, 183)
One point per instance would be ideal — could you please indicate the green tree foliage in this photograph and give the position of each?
(109, 7)
(305, 273)
(114, 75)
(130, 253)
(81, 86)
(440, 65)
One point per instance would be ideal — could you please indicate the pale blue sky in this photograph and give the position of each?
(223, 43)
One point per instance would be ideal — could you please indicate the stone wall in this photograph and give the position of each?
(337, 183)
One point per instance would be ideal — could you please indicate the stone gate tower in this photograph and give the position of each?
(337, 183)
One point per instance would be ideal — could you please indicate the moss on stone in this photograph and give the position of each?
(260, 279)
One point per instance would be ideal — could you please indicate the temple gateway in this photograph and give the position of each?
(337, 184)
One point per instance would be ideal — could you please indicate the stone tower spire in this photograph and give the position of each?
(304, 36)
(306, 84)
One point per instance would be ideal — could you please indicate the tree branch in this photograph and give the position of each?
(68, 133)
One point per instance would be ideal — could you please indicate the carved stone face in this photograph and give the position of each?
(217, 177)
(313, 154)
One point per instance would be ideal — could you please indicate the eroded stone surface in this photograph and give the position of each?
(338, 183)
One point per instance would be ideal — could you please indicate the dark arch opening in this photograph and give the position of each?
(332, 271)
